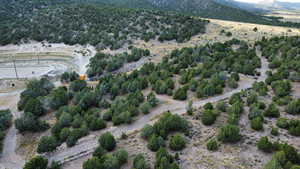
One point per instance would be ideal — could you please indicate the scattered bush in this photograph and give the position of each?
(264, 144)
(107, 141)
(37, 162)
(212, 145)
(177, 142)
(139, 162)
(272, 111)
(155, 142)
(257, 123)
(208, 117)
(229, 134)
(47, 144)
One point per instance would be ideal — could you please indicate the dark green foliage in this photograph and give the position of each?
(164, 160)
(128, 24)
(208, 117)
(145, 108)
(252, 98)
(208, 106)
(255, 112)
(47, 144)
(121, 155)
(152, 100)
(139, 162)
(58, 97)
(103, 63)
(264, 144)
(232, 83)
(92, 163)
(107, 141)
(272, 111)
(147, 131)
(281, 88)
(28, 122)
(282, 123)
(229, 133)
(293, 107)
(77, 85)
(180, 94)
(155, 142)
(76, 134)
(274, 131)
(97, 124)
(257, 123)
(67, 77)
(64, 134)
(5, 119)
(235, 98)
(294, 127)
(170, 123)
(221, 106)
(212, 145)
(177, 142)
(261, 88)
(34, 106)
(34, 89)
(37, 162)
(99, 152)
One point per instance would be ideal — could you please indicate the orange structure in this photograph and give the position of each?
(81, 77)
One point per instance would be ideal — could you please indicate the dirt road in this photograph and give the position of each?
(10, 159)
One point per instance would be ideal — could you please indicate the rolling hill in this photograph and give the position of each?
(81, 22)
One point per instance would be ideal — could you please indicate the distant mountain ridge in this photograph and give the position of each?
(203, 8)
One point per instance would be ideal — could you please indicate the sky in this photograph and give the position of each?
(256, 1)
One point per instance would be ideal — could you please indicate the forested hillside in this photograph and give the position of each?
(85, 22)
(203, 8)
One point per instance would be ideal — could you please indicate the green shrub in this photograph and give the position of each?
(107, 141)
(5, 119)
(145, 108)
(177, 142)
(37, 162)
(229, 134)
(274, 131)
(99, 152)
(180, 94)
(28, 122)
(272, 111)
(282, 123)
(147, 131)
(139, 162)
(293, 107)
(221, 106)
(155, 142)
(212, 145)
(92, 163)
(121, 155)
(264, 144)
(257, 123)
(208, 117)
(47, 144)
(208, 106)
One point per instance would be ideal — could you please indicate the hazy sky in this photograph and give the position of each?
(255, 1)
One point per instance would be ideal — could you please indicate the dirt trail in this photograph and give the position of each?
(10, 159)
